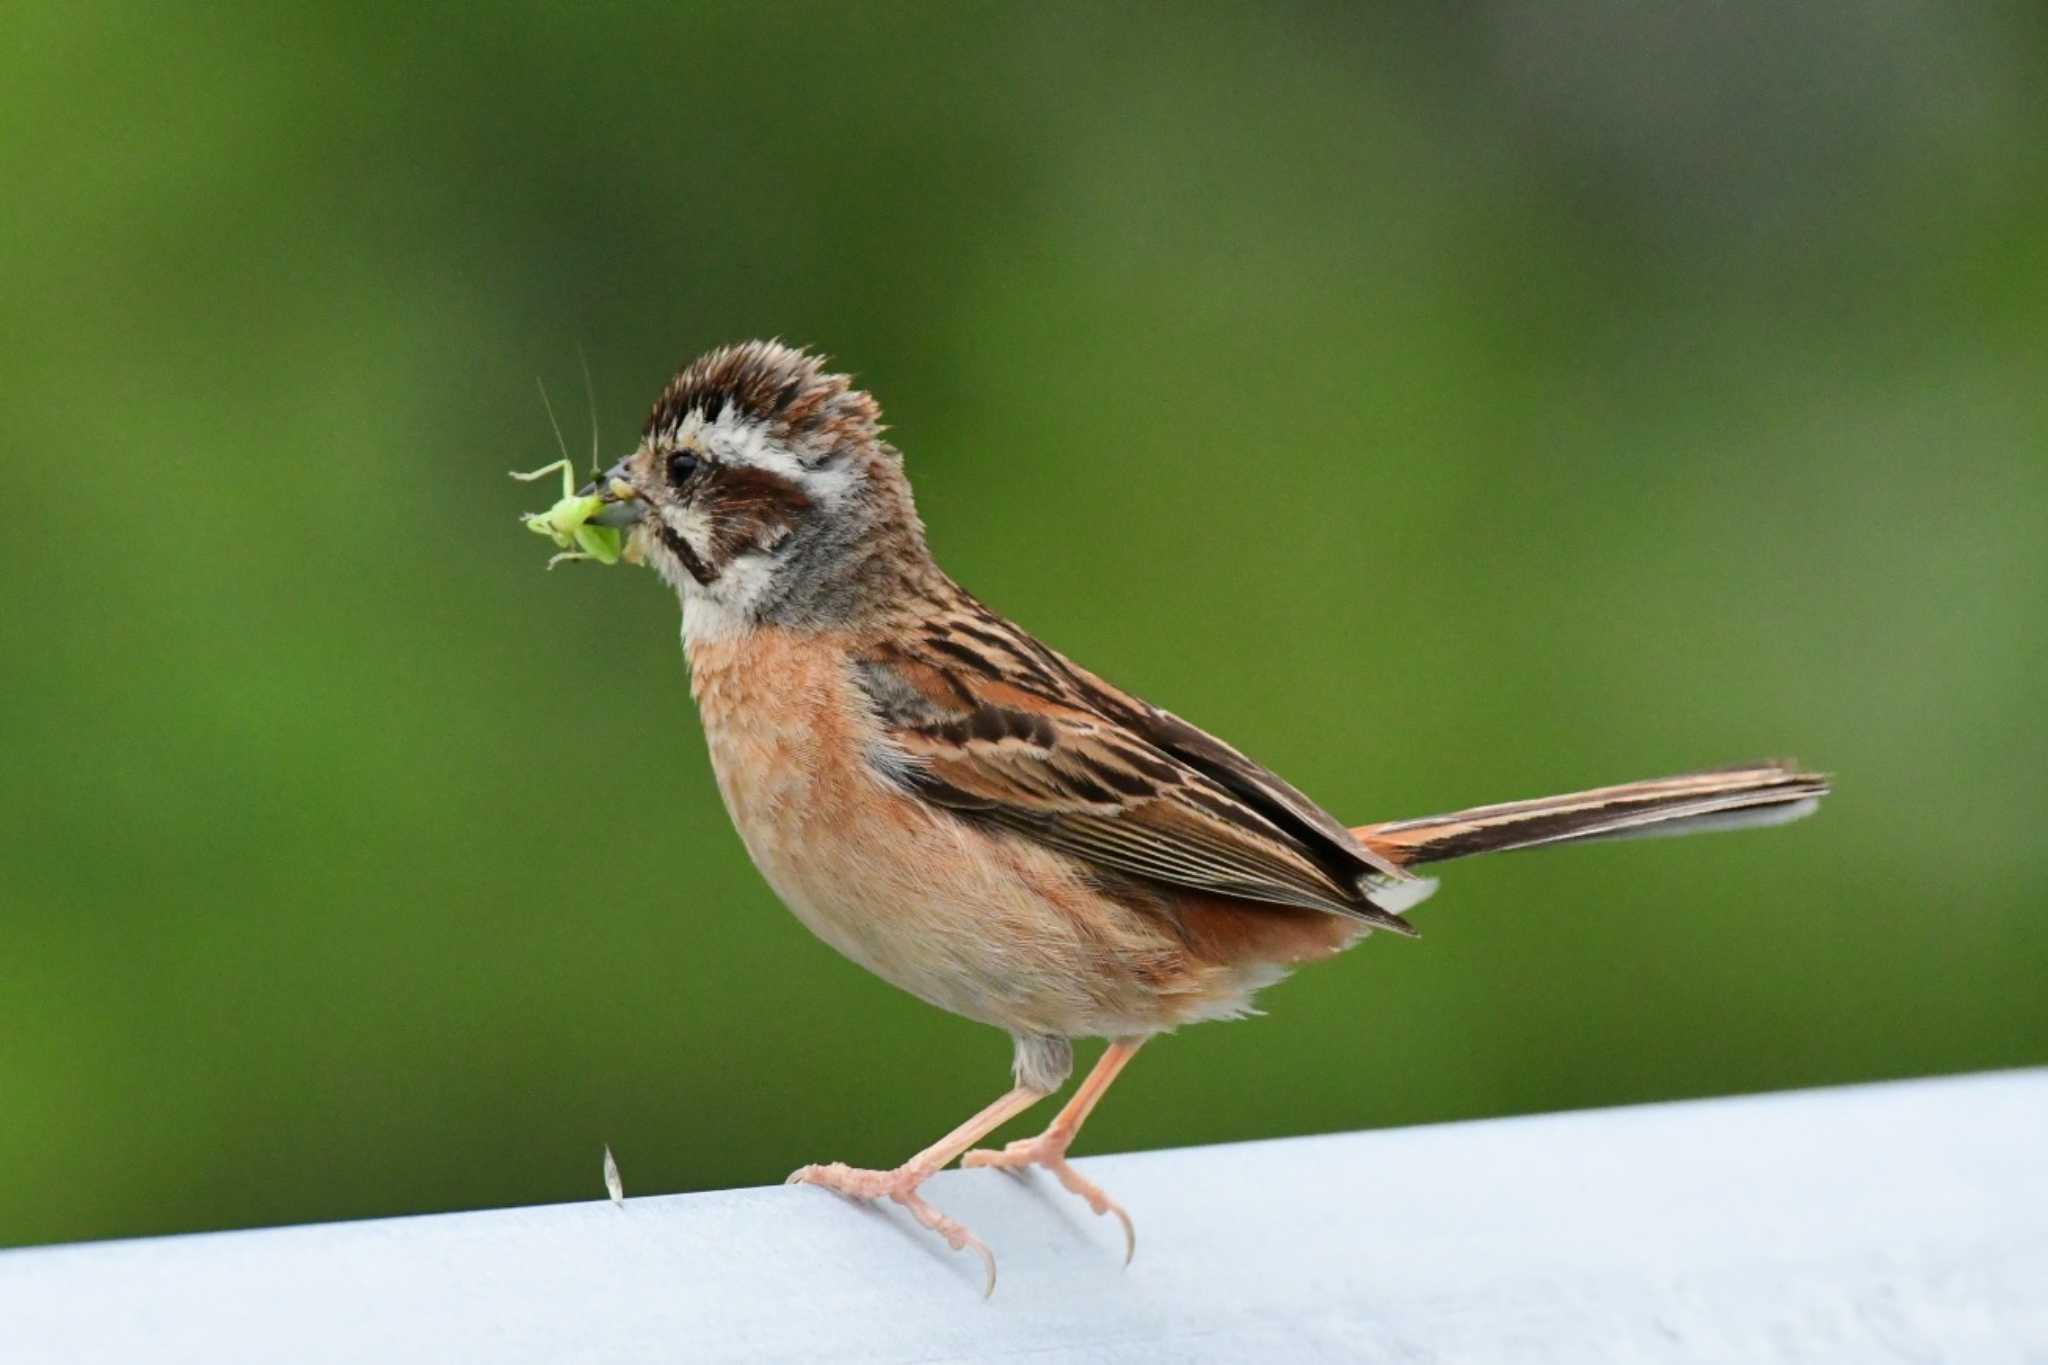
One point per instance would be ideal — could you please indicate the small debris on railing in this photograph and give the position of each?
(613, 1186)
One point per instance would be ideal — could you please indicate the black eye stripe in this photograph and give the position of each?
(681, 465)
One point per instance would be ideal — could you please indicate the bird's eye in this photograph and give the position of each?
(681, 466)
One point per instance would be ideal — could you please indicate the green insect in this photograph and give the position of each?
(567, 523)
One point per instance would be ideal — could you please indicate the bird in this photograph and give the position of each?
(979, 820)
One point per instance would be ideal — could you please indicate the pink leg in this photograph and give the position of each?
(901, 1184)
(1049, 1149)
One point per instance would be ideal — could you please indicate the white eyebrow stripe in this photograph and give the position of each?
(738, 439)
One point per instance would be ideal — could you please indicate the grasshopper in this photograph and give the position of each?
(567, 523)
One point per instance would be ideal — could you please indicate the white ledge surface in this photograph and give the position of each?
(1886, 1222)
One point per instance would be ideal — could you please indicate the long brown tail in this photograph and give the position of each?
(1727, 798)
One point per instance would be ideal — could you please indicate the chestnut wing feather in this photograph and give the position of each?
(1000, 747)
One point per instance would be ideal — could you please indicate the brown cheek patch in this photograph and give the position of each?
(748, 509)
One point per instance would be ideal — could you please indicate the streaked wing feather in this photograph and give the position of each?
(1252, 781)
(1078, 776)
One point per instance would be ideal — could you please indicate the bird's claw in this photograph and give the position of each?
(1050, 1151)
(901, 1186)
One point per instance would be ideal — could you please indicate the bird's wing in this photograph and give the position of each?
(981, 719)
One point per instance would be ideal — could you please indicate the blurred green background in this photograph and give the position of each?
(1446, 404)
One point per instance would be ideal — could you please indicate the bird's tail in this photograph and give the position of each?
(1726, 798)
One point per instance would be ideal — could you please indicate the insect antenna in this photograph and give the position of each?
(590, 397)
(560, 444)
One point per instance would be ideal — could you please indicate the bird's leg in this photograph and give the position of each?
(901, 1184)
(1049, 1149)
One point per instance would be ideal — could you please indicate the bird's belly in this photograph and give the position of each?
(936, 911)
(899, 888)
(984, 924)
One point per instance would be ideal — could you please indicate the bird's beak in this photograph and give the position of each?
(622, 503)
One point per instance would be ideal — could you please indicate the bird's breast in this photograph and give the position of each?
(985, 924)
(870, 870)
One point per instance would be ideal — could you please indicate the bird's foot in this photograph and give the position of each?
(1049, 1149)
(900, 1185)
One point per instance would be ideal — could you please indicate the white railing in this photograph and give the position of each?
(1905, 1221)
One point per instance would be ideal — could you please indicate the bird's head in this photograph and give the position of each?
(762, 491)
